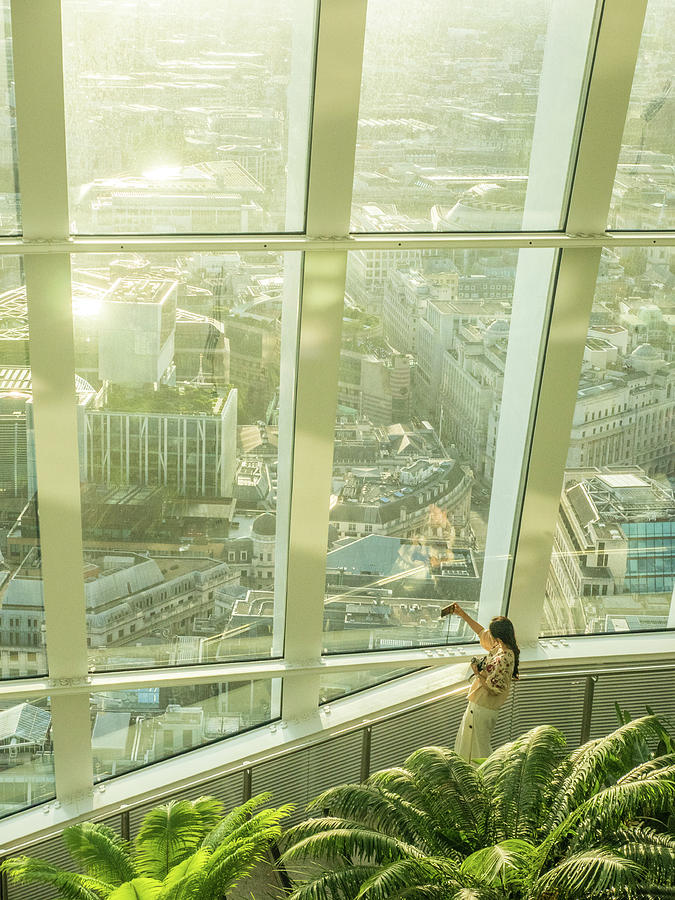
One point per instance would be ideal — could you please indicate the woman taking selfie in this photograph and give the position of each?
(490, 689)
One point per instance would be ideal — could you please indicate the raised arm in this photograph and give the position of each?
(456, 609)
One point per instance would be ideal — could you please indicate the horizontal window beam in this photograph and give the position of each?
(287, 242)
(645, 647)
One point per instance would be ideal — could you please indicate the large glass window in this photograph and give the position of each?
(22, 616)
(425, 348)
(644, 190)
(136, 727)
(451, 93)
(10, 212)
(336, 685)
(182, 453)
(187, 117)
(26, 754)
(613, 563)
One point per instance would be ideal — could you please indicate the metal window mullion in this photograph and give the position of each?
(337, 88)
(280, 243)
(607, 102)
(38, 70)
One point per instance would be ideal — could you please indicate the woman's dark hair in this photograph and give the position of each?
(501, 628)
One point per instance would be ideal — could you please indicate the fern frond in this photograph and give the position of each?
(408, 874)
(519, 786)
(502, 864)
(657, 861)
(137, 889)
(168, 834)
(593, 873)
(210, 811)
(341, 884)
(452, 790)
(357, 843)
(599, 763)
(70, 885)
(236, 817)
(100, 851)
(367, 805)
(225, 870)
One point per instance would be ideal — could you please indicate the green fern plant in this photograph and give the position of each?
(524, 825)
(184, 851)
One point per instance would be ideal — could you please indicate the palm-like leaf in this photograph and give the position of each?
(502, 864)
(168, 835)
(226, 869)
(369, 806)
(210, 810)
(406, 875)
(593, 873)
(339, 884)
(71, 885)
(452, 790)
(100, 851)
(233, 820)
(657, 860)
(185, 880)
(520, 783)
(138, 889)
(337, 844)
(597, 764)
(603, 814)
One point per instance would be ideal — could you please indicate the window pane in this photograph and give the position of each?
(10, 212)
(644, 190)
(341, 684)
(26, 754)
(613, 563)
(22, 619)
(425, 349)
(181, 450)
(140, 726)
(187, 117)
(468, 113)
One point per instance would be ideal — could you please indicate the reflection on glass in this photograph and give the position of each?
(341, 684)
(179, 451)
(22, 620)
(187, 117)
(449, 101)
(424, 350)
(136, 727)
(613, 563)
(26, 754)
(645, 178)
(10, 212)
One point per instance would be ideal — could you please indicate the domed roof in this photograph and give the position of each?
(645, 351)
(265, 525)
(498, 327)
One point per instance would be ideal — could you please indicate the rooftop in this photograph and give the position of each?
(184, 399)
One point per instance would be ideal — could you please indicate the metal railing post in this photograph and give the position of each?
(587, 712)
(367, 737)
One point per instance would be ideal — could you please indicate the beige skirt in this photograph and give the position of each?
(475, 732)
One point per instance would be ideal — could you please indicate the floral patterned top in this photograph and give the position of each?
(491, 687)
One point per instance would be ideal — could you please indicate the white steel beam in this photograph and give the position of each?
(599, 146)
(645, 648)
(337, 90)
(571, 32)
(178, 243)
(36, 38)
(335, 115)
